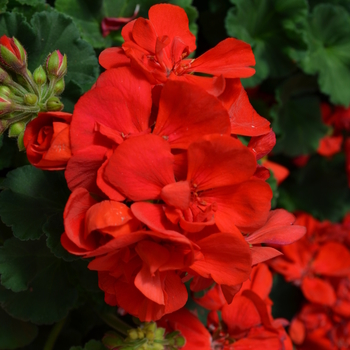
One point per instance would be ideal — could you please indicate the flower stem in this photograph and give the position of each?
(55, 331)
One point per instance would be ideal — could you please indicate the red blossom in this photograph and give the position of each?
(46, 140)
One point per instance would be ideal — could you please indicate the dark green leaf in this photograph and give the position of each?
(48, 297)
(30, 198)
(344, 3)
(64, 36)
(31, 2)
(282, 291)
(91, 345)
(272, 28)
(53, 229)
(49, 31)
(328, 52)
(273, 184)
(3, 4)
(297, 118)
(89, 14)
(320, 188)
(14, 333)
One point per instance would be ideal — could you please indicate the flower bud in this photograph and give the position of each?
(54, 104)
(4, 76)
(5, 105)
(39, 76)
(56, 64)
(5, 91)
(30, 99)
(59, 87)
(16, 128)
(111, 340)
(12, 54)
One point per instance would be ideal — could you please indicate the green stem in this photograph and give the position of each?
(115, 322)
(55, 331)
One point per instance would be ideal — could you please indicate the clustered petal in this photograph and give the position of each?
(163, 189)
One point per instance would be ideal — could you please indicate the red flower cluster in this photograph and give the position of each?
(163, 190)
(245, 324)
(320, 264)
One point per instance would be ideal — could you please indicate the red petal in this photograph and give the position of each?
(213, 85)
(124, 110)
(262, 254)
(81, 170)
(279, 171)
(140, 167)
(245, 205)
(240, 315)
(243, 117)
(177, 194)
(144, 34)
(196, 335)
(278, 229)
(262, 145)
(330, 145)
(318, 291)
(333, 259)
(227, 259)
(172, 21)
(231, 58)
(197, 115)
(217, 161)
(74, 219)
(113, 57)
(150, 285)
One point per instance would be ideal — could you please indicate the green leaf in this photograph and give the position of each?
(30, 198)
(91, 345)
(48, 296)
(319, 188)
(344, 3)
(49, 31)
(89, 14)
(82, 62)
(273, 184)
(14, 333)
(3, 4)
(297, 118)
(272, 28)
(31, 2)
(282, 291)
(328, 52)
(53, 229)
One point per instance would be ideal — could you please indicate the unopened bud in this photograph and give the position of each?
(5, 91)
(16, 128)
(39, 76)
(180, 341)
(30, 99)
(54, 104)
(59, 87)
(4, 76)
(12, 54)
(5, 105)
(132, 334)
(111, 340)
(56, 64)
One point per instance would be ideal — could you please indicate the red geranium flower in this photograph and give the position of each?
(159, 47)
(46, 140)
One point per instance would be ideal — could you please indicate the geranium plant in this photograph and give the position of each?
(153, 170)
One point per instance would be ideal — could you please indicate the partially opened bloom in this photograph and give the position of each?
(159, 47)
(47, 140)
